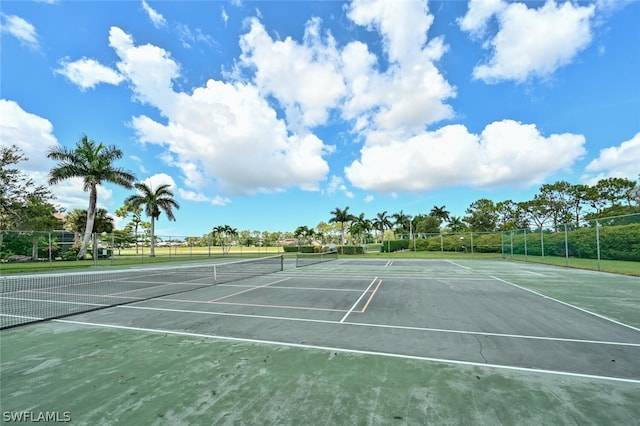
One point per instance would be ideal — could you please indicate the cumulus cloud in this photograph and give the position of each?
(505, 153)
(222, 133)
(34, 135)
(305, 77)
(156, 18)
(21, 29)
(621, 161)
(411, 93)
(29, 132)
(88, 73)
(530, 42)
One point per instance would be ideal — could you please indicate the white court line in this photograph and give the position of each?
(354, 351)
(535, 273)
(372, 325)
(358, 301)
(457, 264)
(567, 304)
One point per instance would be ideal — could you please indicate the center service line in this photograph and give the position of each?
(358, 301)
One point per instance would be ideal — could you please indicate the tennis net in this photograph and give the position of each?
(306, 259)
(31, 298)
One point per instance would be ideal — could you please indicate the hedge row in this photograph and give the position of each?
(616, 243)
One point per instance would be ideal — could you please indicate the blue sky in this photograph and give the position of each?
(269, 115)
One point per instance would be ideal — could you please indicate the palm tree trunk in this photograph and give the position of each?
(153, 238)
(91, 217)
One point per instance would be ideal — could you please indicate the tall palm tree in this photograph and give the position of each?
(402, 221)
(440, 212)
(360, 227)
(382, 222)
(155, 201)
(93, 163)
(342, 217)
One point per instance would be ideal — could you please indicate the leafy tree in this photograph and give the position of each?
(578, 198)
(558, 201)
(510, 216)
(93, 163)
(155, 202)
(614, 191)
(536, 211)
(482, 216)
(136, 219)
(341, 217)
(426, 224)
(76, 221)
(18, 191)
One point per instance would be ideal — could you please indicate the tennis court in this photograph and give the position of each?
(524, 323)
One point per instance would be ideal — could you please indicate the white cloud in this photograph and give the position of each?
(88, 73)
(29, 132)
(529, 42)
(621, 161)
(403, 25)
(505, 153)
(223, 132)
(23, 30)
(369, 198)
(156, 18)
(336, 184)
(220, 201)
(479, 14)
(187, 36)
(150, 69)
(224, 16)
(411, 93)
(159, 179)
(305, 78)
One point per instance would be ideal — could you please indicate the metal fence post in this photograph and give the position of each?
(566, 245)
(598, 242)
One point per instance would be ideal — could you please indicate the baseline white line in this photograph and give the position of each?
(371, 325)
(358, 301)
(354, 351)
(567, 304)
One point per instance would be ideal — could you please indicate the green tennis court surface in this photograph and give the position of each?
(349, 341)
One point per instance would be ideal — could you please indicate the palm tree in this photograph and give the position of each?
(155, 201)
(440, 212)
(360, 227)
(93, 162)
(341, 217)
(402, 221)
(382, 222)
(456, 224)
(219, 231)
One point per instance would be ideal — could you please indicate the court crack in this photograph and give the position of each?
(481, 348)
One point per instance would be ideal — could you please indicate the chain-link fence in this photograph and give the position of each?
(117, 248)
(592, 244)
(609, 239)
